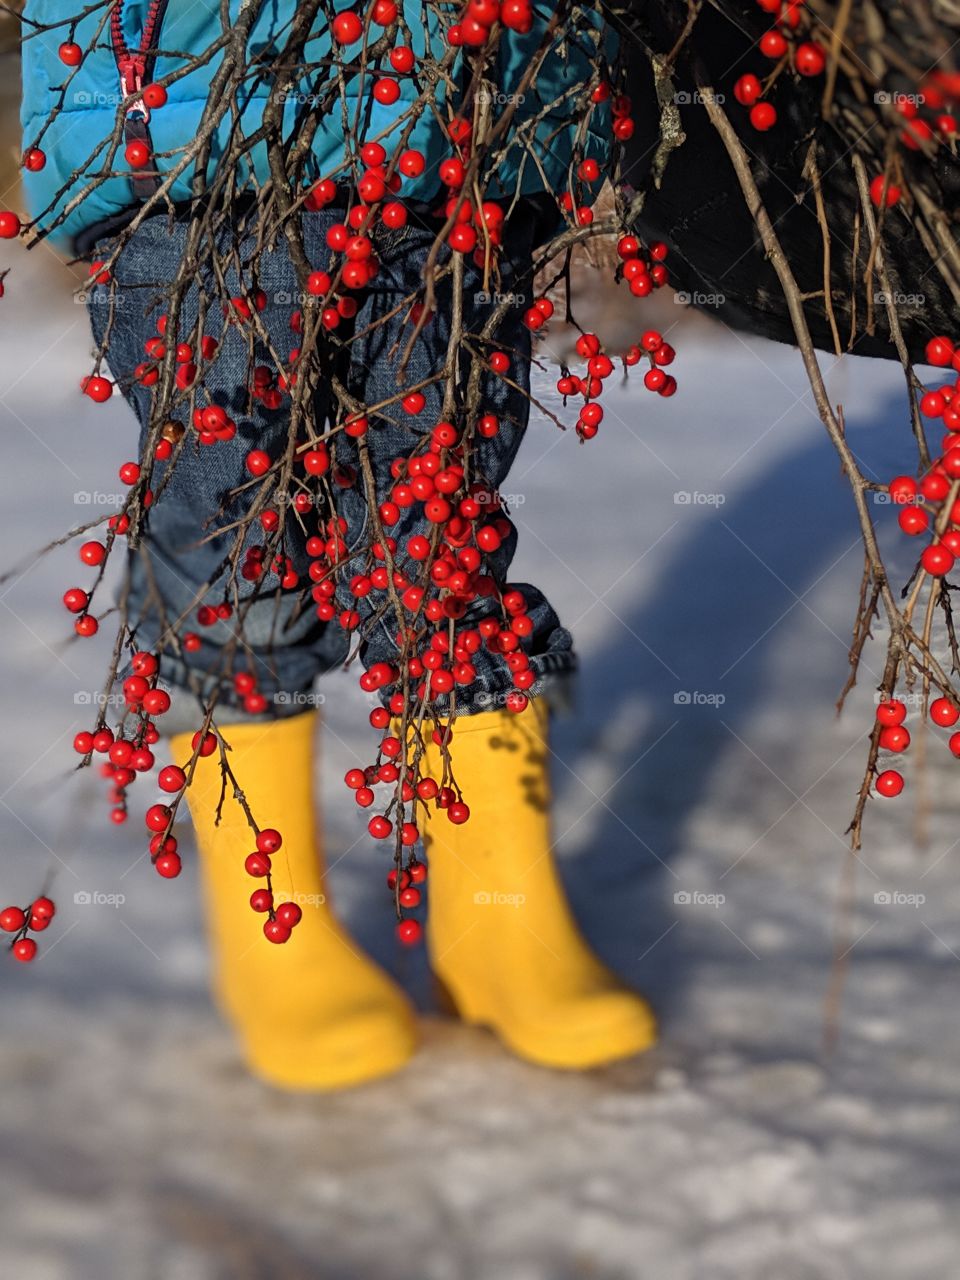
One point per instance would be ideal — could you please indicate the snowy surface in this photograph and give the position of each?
(133, 1146)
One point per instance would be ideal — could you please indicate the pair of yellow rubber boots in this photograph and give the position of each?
(315, 1012)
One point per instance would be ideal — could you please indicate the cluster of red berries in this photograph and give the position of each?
(921, 502)
(642, 268)
(807, 57)
(600, 367)
(148, 373)
(644, 271)
(410, 896)
(94, 554)
(588, 170)
(473, 28)
(895, 737)
(128, 750)
(21, 921)
(282, 918)
(927, 115)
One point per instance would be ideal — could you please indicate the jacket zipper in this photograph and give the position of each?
(134, 65)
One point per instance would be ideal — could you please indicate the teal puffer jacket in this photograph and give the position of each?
(87, 115)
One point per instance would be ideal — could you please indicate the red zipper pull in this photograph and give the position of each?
(132, 67)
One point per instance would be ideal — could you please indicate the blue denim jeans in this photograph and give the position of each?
(284, 644)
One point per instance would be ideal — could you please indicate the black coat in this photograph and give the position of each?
(700, 212)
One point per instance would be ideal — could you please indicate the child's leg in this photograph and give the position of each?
(314, 1012)
(501, 934)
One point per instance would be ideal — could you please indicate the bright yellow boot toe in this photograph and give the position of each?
(314, 1012)
(502, 938)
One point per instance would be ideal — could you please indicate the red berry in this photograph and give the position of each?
(891, 712)
(747, 90)
(75, 599)
(903, 489)
(889, 783)
(257, 865)
(34, 160)
(876, 192)
(895, 738)
(269, 840)
(137, 154)
(944, 713)
(274, 931)
(169, 865)
(12, 919)
(258, 462)
(172, 778)
(939, 351)
(811, 59)
(157, 817)
(763, 116)
(289, 914)
(409, 932)
(207, 746)
(347, 28)
(773, 44)
(386, 91)
(44, 908)
(70, 54)
(937, 560)
(155, 96)
(97, 388)
(913, 520)
(261, 900)
(402, 59)
(24, 949)
(93, 553)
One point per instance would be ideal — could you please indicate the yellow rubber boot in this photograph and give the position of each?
(313, 1012)
(501, 934)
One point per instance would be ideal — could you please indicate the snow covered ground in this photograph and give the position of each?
(702, 791)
